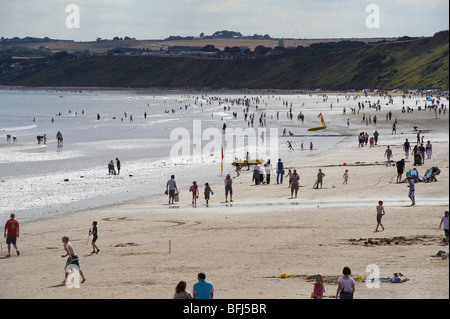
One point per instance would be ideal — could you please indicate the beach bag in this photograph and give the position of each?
(176, 197)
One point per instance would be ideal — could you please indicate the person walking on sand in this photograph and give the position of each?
(11, 233)
(288, 175)
(171, 187)
(72, 260)
(380, 214)
(194, 190)
(280, 171)
(345, 176)
(406, 148)
(238, 168)
(118, 166)
(295, 178)
(94, 233)
(346, 285)
(412, 191)
(388, 154)
(375, 136)
(207, 192)
(319, 180)
(400, 169)
(268, 169)
(429, 149)
(228, 188)
(444, 221)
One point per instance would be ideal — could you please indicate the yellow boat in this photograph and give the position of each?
(252, 162)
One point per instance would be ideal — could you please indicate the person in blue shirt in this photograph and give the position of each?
(280, 171)
(203, 289)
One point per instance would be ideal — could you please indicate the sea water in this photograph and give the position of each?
(38, 180)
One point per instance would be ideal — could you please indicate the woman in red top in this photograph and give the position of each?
(11, 233)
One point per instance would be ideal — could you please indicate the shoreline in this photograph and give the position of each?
(207, 90)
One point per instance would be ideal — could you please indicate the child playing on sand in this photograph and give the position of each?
(319, 180)
(194, 190)
(380, 213)
(72, 260)
(94, 233)
(345, 177)
(207, 192)
(319, 287)
(288, 175)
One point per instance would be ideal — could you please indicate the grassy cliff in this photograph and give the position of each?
(414, 64)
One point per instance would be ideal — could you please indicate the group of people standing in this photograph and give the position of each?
(112, 168)
(364, 138)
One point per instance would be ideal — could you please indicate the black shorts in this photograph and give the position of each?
(11, 240)
(95, 238)
(74, 261)
(172, 193)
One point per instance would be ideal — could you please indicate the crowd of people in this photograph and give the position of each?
(262, 174)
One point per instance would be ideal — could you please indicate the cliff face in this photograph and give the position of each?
(414, 64)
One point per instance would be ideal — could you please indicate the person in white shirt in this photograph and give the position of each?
(346, 285)
(268, 168)
(171, 188)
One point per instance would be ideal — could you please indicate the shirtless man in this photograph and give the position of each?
(72, 260)
(380, 213)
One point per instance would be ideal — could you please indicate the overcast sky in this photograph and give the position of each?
(156, 19)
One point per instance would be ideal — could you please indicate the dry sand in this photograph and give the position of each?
(244, 248)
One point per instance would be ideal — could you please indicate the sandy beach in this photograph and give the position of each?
(243, 247)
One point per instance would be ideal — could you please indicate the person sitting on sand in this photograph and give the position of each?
(181, 292)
